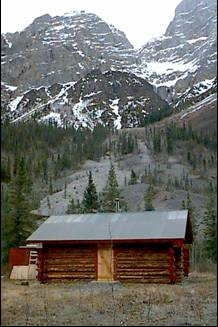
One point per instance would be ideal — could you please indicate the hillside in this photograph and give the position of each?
(78, 98)
(114, 99)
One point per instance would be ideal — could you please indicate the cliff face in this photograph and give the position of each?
(44, 67)
(62, 49)
(187, 53)
(115, 99)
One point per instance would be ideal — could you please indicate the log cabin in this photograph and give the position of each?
(147, 247)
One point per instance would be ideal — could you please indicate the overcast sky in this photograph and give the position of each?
(140, 20)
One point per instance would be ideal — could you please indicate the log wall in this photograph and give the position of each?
(72, 262)
(185, 252)
(148, 264)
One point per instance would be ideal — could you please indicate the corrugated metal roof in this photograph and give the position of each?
(116, 226)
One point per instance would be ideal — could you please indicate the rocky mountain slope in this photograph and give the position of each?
(61, 49)
(115, 99)
(186, 54)
(44, 65)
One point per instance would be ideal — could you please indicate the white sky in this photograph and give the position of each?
(140, 20)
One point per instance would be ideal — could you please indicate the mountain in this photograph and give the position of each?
(61, 49)
(43, 65)
(186, 54)
(116, 99)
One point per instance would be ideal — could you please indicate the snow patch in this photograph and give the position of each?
(14, 104)
(58, 28)
(210, 99)
(74, 13)
(81, 118)
(9, 87)
(52, 117)
(91, 94)
(203, 38)
(8, 42)
(169, 67)
(115, 107)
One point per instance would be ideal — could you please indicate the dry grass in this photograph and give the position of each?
(192, 303)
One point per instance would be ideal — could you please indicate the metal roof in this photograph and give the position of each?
(116, 226)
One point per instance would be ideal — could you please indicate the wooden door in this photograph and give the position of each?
(105, 263)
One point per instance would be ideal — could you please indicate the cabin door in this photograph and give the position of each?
(105, 263)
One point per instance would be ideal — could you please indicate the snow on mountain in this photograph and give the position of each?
(62, 49)
(200, 105)
(49, 69)
(186, 54)
(115, 99)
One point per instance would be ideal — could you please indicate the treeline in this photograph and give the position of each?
(156, 115)
(49, 150)
(204, 247)
(199, 149)
(166, 138)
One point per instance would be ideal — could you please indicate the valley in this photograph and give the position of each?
(78, 98)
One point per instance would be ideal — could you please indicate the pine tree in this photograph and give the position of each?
(74, 208)
(50, 186)
(65, 186)
(187, 204)
(157, 142)
(111, 192)
(210, 229)
(148, 197)
(133, 178)
(18, 223)
(90, 199)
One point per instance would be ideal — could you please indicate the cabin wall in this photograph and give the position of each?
(124, 262)
(147, 263)
(68, 262)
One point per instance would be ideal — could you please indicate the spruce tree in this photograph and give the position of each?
(74, 208)
(90, 199)
(133, 178)
(187, 204)
(148, 197)
(111, 192)
(210, 228)
(18, 222)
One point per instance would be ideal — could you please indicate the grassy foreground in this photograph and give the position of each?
(191, 303)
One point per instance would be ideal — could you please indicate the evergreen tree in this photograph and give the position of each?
(157, 142)
(50, 186)
(90, 199)
(73, 207)
(133, 178)
(18, 222)
(187, 204)
(111, 192)
(148, 197)
(210, 229)
(65, 186)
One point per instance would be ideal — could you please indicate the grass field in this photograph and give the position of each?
(191, 303)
